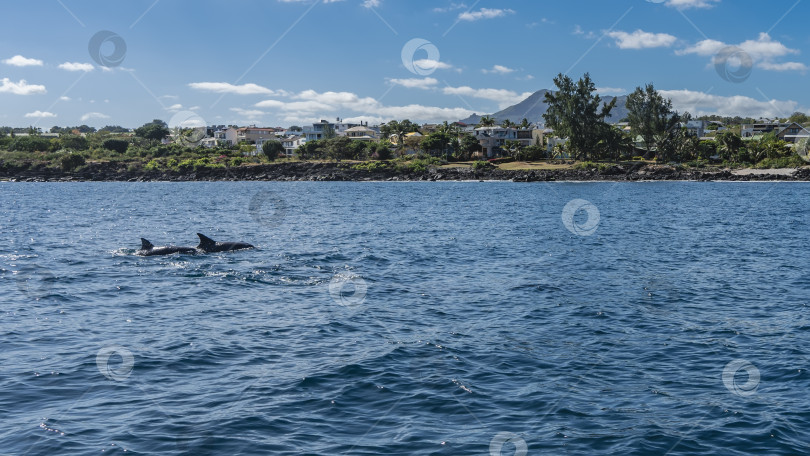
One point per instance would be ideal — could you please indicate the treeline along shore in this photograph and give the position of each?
(576, 144)
(348, 171)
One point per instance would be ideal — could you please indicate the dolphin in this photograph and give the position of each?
(147, 249)
(209, 245)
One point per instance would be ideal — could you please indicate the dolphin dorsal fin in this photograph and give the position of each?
(205, 242)
(146, 245)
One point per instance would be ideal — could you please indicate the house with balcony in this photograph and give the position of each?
(319, 130)
(292, 143)
(251, 134)
(786, 131)
(760, 128)
(492, 139)
(361, 133)
(793, 133)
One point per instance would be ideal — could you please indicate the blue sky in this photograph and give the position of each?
(285, 62)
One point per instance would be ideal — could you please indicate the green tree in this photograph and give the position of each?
(339, 148)
(508, 124)
(574, 112)
(114, 129)
(30, 144)
(381, 150)
(398, 130)
(650, 115)
(677, 144)
(728, 145)
(614, 144)
(486, 121)
(116, 145)
(468, 145)
(74, 142)
(311, 150)
(272, 149)
(71, 161)
(525, 124)
(800, 118)
(153, 131)
(512, 147)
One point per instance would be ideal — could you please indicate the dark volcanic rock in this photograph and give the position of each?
(306, 171)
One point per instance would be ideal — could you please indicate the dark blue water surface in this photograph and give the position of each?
(477, 318)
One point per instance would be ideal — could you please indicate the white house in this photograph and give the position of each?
(291, 143)
(361, 133)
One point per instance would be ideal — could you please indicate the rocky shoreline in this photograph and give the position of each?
(303, 171)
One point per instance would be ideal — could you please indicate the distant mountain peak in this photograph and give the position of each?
(533, 108)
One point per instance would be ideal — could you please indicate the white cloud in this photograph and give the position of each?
(611, 91)
(248, 113)
(432, 64)
(94, 115)
(309, 105)
(21, 61)
(40, 114)
(588, 35)
(452, 7)
(499, 69)
(64, 98)
(177, 107)
(503, 97)
(76, 66)
(641, 39)
(371, 3)
(786, 66)
(484, 13)
(686, 4)
(415, 83)
(761, 52)
(700, 103)
(224, 87)
(20, 88)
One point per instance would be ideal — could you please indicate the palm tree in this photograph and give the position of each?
(525, 124)
(729, 144)
(486, 121)
(508, 124)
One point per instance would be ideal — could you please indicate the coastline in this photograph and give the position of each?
(306, 171)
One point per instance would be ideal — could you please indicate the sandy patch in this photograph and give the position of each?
(774, 171)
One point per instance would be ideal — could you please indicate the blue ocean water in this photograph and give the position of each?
(444, 318)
